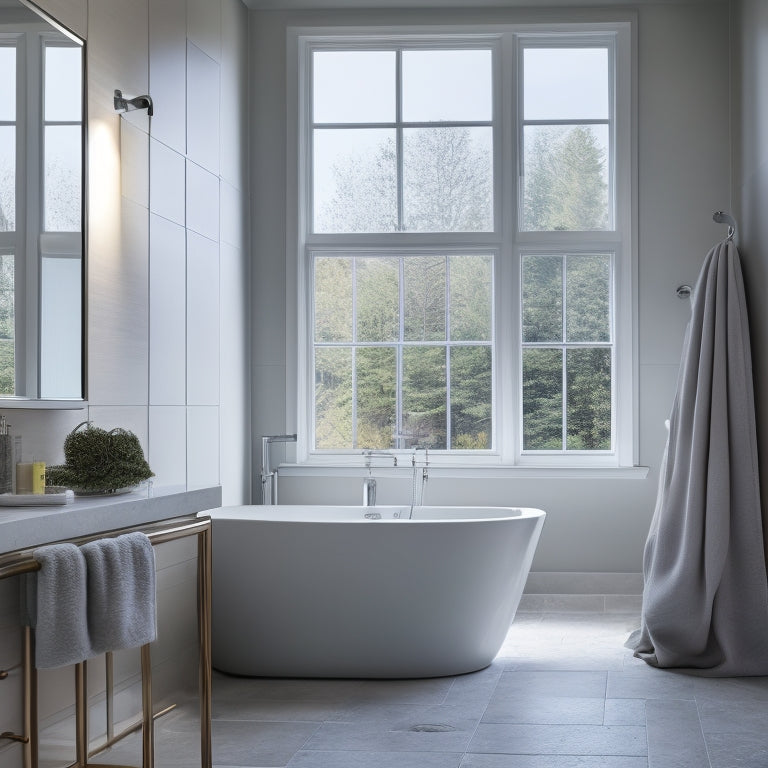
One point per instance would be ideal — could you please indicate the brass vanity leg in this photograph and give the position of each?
(109, 675)
(147, 724)
(204, 629)
(29, 754)
(81, 713)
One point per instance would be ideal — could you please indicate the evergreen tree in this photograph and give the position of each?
(448, 181)
(565, 185)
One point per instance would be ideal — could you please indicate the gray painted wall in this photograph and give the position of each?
(595, 525)
(750, 184)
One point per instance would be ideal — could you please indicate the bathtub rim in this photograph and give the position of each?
(343, 514)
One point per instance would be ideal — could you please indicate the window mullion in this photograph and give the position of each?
(354, 352)
(564, 300)
(399, 137)
(448, 436)
(399, 436)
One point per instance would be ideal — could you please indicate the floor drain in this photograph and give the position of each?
(431, 728)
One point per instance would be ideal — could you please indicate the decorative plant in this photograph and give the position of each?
(100, 460)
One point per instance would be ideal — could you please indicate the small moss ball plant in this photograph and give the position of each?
(100, 461)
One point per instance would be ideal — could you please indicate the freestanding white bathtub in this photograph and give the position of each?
(341, 592)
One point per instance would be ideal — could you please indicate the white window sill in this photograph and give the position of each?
(478, 472)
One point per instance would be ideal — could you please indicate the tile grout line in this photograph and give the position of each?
(466, 753)
(701, 728)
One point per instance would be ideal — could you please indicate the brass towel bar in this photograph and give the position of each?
(21, 562)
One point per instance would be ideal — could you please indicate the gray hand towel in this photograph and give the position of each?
(57, 606)
(121, 592)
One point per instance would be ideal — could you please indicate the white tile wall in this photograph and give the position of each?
(234, 94)
(203, 91)
(235, 384)
(202, 201)
(168, 71)
(167, 312)
(168, 444)
(134, 163)
(118, 314)
(202, 446)
(232, 215)
(118, 53)
(202, 320)
(167, 182)
(204, 26)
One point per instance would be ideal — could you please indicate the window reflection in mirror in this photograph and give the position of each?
(41, 211)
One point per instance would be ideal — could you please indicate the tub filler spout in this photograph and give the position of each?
(269, 475)
(369, 492)
(369, 484)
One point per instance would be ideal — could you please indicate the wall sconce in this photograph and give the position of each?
(123, 104)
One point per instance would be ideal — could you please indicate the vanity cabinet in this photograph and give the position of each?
(129, 707)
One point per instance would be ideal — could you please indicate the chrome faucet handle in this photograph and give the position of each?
(369, 453)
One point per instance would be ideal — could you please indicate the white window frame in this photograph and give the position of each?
(507, 242)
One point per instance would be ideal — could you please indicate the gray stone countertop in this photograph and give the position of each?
(26, 527)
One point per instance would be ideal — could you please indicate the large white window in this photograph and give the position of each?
(465, 245)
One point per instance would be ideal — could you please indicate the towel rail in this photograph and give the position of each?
(22, 561)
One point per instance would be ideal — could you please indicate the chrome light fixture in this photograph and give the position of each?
(123, 104)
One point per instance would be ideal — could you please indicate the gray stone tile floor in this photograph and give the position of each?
(562, 693)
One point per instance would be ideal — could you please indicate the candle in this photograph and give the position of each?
(30, 477)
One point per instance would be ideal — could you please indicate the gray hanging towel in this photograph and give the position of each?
(121, 592)
(705, 599)
(56, 602)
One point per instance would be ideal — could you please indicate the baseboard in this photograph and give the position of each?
(575, 583)
(573, 592)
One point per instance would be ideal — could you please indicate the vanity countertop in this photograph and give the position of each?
(25, 527)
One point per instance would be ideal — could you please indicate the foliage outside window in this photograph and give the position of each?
(413, 245)
(403, 352)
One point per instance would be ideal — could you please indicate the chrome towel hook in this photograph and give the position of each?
(724, 218)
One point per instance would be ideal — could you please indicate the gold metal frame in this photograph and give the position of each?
(21, 562)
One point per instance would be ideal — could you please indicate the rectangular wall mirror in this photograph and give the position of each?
(42, 222)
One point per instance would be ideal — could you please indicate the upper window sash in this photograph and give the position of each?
(401, 127)
(572, 116)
